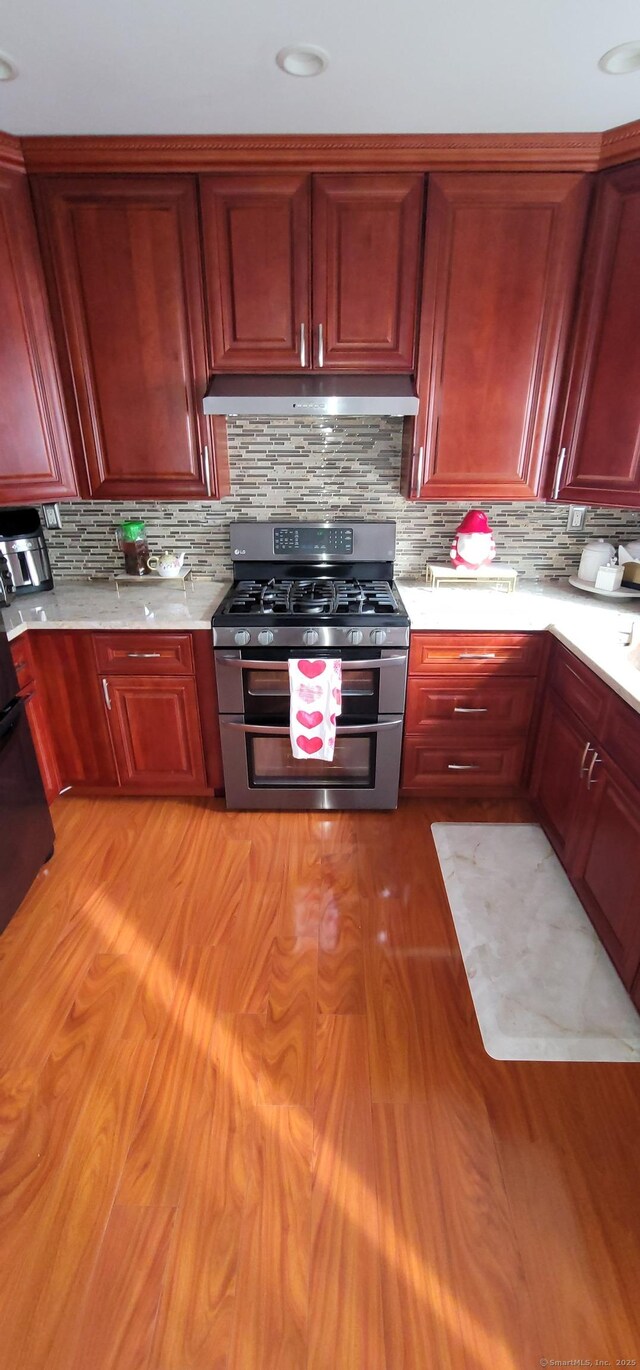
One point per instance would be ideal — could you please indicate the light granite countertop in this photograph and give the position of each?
(587, 625)
(96, 604)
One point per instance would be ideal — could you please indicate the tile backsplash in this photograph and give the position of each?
(307, 468)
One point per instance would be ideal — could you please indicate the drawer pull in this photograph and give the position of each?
(21, 665)
(462, 709)
(595, 761)
(583, 760)
(144, 654)
(459, 766)
(477, 656)
(105, 691)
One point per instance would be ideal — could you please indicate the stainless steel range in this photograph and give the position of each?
(311, 589)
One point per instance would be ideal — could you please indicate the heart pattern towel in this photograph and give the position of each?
(316, 700)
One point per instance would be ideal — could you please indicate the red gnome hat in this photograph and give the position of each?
(474, 522)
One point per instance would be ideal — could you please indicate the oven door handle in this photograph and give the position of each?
(281, 732)
(349, 665)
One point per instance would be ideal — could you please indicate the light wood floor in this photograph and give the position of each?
(247, 1122)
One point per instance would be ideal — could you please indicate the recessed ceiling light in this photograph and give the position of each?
(303, 60)
(621, 60)
(8, 68)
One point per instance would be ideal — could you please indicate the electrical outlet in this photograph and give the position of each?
(52, 517)
(576, 519)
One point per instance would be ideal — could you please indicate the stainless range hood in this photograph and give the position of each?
(305, 395)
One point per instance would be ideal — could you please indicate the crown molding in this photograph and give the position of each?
(11, 158)
(366, 152)
(621, 144)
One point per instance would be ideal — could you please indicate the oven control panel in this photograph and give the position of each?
(312, 540)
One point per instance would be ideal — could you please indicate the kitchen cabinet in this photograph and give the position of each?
(73, 705)
(589, 805)
(599, 442)
(366, 253)
(257, 259)
(155, 686)
(501, 262)
(471, 706)
(35, 454)
(122, 256)
(24, 663)
(312, 271)
(155, 731)
(124, 712)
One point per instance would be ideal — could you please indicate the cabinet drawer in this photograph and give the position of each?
(22, 657)
(144, 653)
(584, 693)
(621, 737)
(473, 653)
(467, 769)
(460, 708)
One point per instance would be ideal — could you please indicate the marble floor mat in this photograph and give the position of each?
(542, 984)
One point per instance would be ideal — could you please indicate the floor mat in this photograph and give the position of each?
(542, 984)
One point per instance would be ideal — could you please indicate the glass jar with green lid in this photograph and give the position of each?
(135, 548)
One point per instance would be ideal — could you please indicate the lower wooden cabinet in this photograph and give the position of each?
(154, 727)
(589, 805)
(37, 716)
(116, 718)
(471, 703)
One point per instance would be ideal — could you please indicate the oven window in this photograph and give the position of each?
(271, 762)
(259, 684)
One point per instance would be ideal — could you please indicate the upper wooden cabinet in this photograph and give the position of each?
(124, 266)
(600, 436)
(366, 254)
(312, 272)
(257, 259)
(35, 457)
(501, 261)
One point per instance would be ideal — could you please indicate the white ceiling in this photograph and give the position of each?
(398, 66)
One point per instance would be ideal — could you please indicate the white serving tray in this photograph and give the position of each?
(623, 593)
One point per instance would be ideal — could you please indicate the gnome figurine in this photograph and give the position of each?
(473, 545)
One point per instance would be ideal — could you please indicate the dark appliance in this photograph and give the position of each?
(26, 830)
(311, 589)
(24, 550)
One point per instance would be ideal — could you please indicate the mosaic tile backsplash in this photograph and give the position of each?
(339, 468)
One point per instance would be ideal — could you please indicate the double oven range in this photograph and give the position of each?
(311, 590)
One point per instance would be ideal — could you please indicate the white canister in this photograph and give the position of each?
(596, 553)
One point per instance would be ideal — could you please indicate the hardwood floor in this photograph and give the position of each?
(247, 1121)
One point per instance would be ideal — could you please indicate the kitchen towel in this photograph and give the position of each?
(316, 700)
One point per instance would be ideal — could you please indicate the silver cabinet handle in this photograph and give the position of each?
(595, 761)
(105, 691)
(320, 345)
(559, 469)
(476, 656)
(265, 728)
(207, 470)
(303, 345)
(583, 759)
(420, 470)
(461, 709)
(242, 663)
(143, 654)
(459, 766)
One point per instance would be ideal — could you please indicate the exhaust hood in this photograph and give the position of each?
(331, 393)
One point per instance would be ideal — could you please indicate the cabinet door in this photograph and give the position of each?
(35, 457)
(256, 249)
(366, 253)
(43, 744)
(123, 254)
(70, 695)
(607, 870)
(557, 774)
(155, 730)
(601, 429)
(501, 261)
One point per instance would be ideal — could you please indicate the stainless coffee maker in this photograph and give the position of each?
(23, 551)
